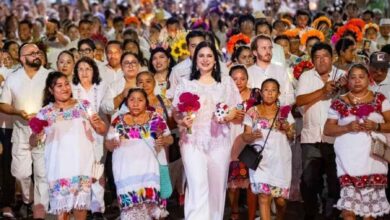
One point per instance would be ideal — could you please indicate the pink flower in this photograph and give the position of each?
(364, 111)
(284, 111)
(37, 125)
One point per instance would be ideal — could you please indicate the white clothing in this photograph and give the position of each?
(6, 121)
(113, 90)
(257, 76)
(278, 57)
(25, 93)
(354, 145)
(68, 156)
(275, 167)
(314, 116)
(207, 148)
(382, 42)
(383, 87)
(108, 74)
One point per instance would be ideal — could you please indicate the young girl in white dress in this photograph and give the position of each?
(272, 178)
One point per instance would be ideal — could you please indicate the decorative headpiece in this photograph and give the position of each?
(231, 44)
(312, 33)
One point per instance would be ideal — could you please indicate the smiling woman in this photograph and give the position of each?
(206, 151)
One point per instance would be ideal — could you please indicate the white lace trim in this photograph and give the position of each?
(144, 212)
(64, 204)
(371, 204)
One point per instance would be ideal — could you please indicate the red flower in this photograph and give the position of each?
(188, 102)
(302, 67)
(231, 44)
(249, 103)
(284, 110)
(37, 125)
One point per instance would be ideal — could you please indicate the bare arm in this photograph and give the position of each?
(249, 136)
(10, 110)
(319, 94)
(332, 129)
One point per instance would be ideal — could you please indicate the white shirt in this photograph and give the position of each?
(24, 93)
(383, 87)
(257, 76)
(113, 90)
(108, 74)
(382, 42)
(183, 70)
(314, 116)
(6, 121)
(278, 57)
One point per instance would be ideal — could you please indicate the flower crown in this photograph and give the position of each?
(231, 44)
(343, 29)
(317, 21)
(371, 25)
(312, 33)
(292, 33)
(132, 20)
(357, 22)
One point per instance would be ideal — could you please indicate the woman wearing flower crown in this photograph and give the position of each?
(68, 147)
(354, 119)
(136, 139)
(205, 141)
(271, 180)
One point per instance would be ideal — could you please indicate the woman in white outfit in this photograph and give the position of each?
(206, 151)
(353, 119)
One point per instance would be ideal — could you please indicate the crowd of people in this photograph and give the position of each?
(154, 100)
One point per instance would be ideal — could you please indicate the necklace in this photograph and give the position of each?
(358, 100)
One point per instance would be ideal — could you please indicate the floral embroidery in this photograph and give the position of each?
(78, 111)
(267, 189)
(144, 131)
(238, 171)
(345, 109)
(143, 195)
(373, 180)
(70, 186)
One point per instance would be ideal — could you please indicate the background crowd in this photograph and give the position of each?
(134, 107)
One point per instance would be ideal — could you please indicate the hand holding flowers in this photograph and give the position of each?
(37, 126)
(188, 105)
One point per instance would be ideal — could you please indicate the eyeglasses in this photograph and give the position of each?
(36, 53)
(85, 51)
(132, 63)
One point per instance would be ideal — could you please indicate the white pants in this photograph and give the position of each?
(206, 173)
(21, 168)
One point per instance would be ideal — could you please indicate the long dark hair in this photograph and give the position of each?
(167, 53)
(95, 76)
(51, 81)
(195, 73)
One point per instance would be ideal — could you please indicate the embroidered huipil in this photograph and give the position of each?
(273, 176)
(355, 164)
(206, 132)
(135, 167)
(68, 156)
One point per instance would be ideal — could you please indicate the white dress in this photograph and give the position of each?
(68, 157)
(136, 169)
(273, 176)
(362, 177)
